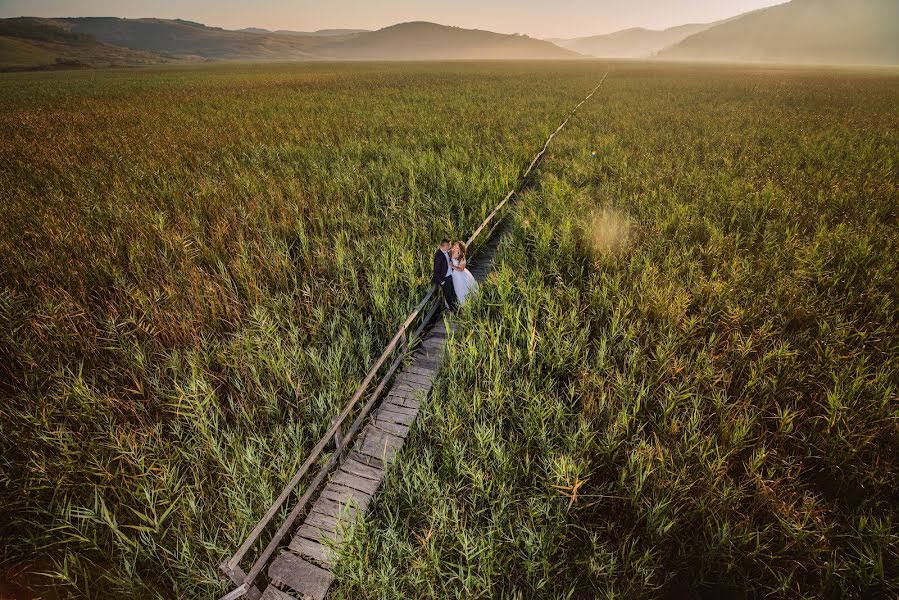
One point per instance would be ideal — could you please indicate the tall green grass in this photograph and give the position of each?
(682, 380)
(197, 266)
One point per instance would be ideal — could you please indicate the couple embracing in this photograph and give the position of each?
(450, 273)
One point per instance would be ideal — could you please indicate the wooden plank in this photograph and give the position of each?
(419, 373)
(412, 386)
(413, 369)
(383, 438)
(319, 535)
(404, 393)
(434, 355)
(273, 593)
(395, 408)
(405, 402)
(332, 508)
(427, 362)
(380, 446)
(343, 496)
(416, 379)
(362, 470)
(393, 428)
(371, 461)
(357, 483)
(314, 550)
(429, 351)
(321, 521)
(434, 343)
(309, 581)
(391, 416)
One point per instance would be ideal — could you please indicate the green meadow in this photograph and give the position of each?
(680, 381)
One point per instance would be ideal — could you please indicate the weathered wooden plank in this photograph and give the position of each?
(429, 351)
(314, 550)
(362, 470)
(343, 496)
(404, 393)
(434, 343)
(396, 408)
(309, 581)
(273, 593)
(319, 535)
(419, 371)
(371, 461)
(427, 362)
(321, 521)
(418, 374)
(356, 482)
(381, 446)
(394, 428)
(391, 416)
(331, 508)
(384, 438)
(430, 355)
(405, 402)
(401, 396)
(413, 387)
(417, 380)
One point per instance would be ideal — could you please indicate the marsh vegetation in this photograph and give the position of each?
(682, 379)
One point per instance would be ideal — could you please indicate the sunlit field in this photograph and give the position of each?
(197, 268)
(681, 381)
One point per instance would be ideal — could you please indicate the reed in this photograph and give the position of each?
(707, 406)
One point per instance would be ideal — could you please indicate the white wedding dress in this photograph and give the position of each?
(463, 283)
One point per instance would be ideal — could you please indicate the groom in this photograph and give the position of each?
(443, 274)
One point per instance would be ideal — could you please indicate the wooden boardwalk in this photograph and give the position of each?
(303, 569)
(347, 481)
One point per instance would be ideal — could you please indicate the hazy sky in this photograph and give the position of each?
(543, 18)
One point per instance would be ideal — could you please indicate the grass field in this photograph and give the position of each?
(683, 379)
(198, 265)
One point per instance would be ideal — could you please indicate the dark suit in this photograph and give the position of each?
(441, 266)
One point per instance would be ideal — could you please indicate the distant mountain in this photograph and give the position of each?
(32, 43)
(154, 40)
(430, 41)
(632, 43)
(191, 40)
(320, 32)
(802, 31)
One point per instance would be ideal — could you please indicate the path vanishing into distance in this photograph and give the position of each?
(346, 483)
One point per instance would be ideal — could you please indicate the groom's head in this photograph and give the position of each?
(444, 245)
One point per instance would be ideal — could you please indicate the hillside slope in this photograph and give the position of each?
(32, 43)
(430, 41)
(632, 43)
(802, 31)
(185, 38)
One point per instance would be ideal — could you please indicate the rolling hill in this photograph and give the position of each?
(430, 41)
(138, 41)
(632, 43)
(32, 43)
(187, 39)
(802, 32)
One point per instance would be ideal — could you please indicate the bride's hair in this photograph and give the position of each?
(462, 249)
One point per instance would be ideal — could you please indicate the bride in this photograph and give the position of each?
(463, 280)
